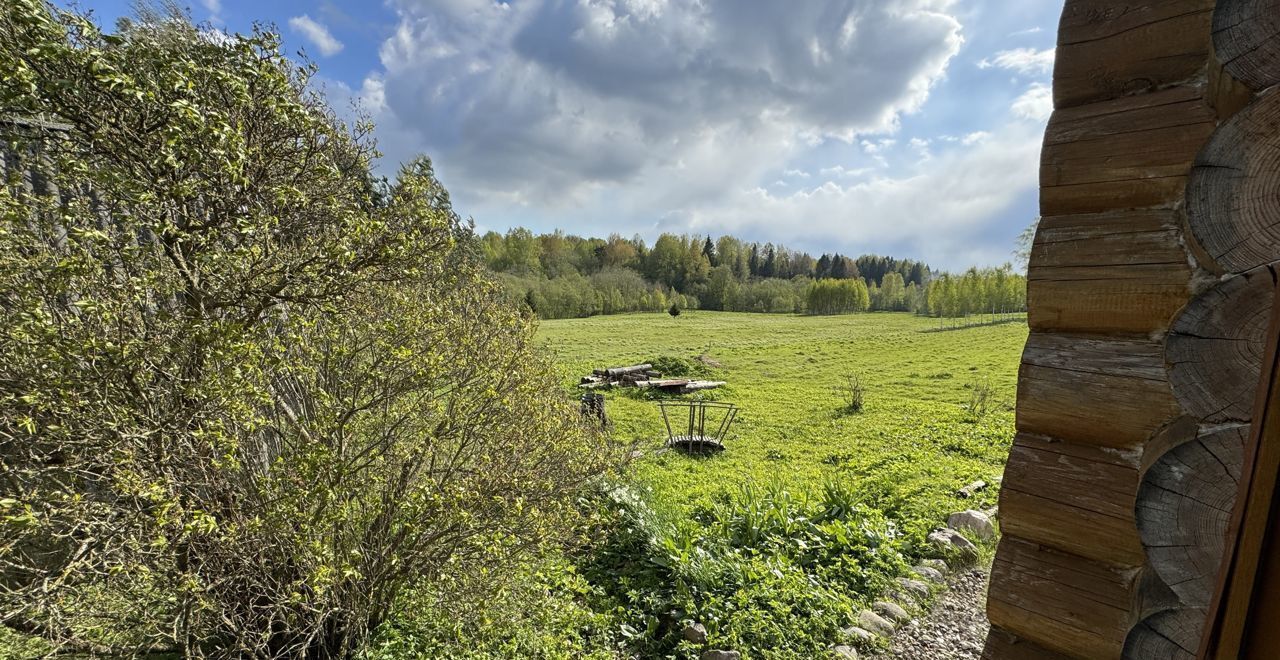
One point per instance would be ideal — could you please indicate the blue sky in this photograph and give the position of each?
(903, 127)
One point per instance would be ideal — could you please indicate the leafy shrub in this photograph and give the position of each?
(671, 366)
(981, 399)
(251, 395)
(763, 569)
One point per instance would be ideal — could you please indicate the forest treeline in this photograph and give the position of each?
(560, 275)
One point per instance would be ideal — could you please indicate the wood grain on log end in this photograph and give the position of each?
(1214, 349)
(1171, 635)
(1232, 193)
(1246, 36)
(1184, 507)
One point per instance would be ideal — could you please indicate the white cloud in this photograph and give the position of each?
(547, 101)
(841, 172)
(1026, 61)
(640, 116)
(878, 146)
(214, 6)
(1035, 104)
(1026, 32)
(940, 210)
(317, 34)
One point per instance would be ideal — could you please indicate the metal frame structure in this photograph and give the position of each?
(694, 416)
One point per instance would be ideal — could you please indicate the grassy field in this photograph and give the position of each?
(913, 445)
(776, 544)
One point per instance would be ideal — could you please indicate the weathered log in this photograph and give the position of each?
(1231, 207)
(1108, 49)
(699, 385)
(1120, 271)
(1246, 37)
(670, 382)
(1059, 601)
(1169, 635)
(1214, 350)
(617, 372)
(1003, 645)
(1184, 508)
(1093, 391)
(972, 489)
(1116, 157)
(1073, 496)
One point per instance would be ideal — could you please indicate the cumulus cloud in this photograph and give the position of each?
(1035, 104)
(940, 209)
(842, 172)
(550, 100)
(317, 34)
(1026, 61)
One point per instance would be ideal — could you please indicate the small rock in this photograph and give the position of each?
(951, 540)
(891, 611)
(717, 654)
(937, 565)
(875, 623)
(930, 573)
(844, 651)
(976, 522)
(695, 632)
(855, 634)
(917, 589)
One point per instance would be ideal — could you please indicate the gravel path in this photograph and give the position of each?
(956, 627)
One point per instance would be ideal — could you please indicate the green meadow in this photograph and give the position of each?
(811, 514)
(914, 443)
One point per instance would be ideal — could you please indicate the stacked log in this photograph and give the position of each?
(643, 376)
(619, 376)
(1149, 289)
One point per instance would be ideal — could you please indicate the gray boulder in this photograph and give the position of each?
(974, 522)
(869, 620)
(950, 541)
(856, 634)
(930, 573)
(937, 565)
(891, 611)
(717, 654)
(695, 632)
(844, 651)
(914, 588)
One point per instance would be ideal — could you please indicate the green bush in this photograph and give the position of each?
(252, 397)
(768, 572)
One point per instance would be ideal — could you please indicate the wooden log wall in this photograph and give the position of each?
(1149, 290)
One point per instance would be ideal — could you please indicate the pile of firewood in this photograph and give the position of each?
(643, 376)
